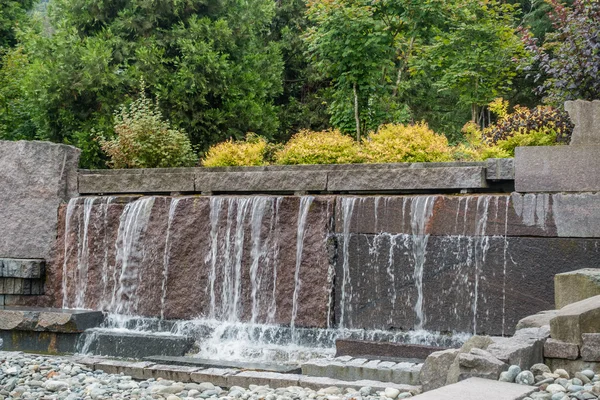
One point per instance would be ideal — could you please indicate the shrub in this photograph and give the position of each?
(145, 140)
(541, 137)
(405, 143)
(476, 147)
(326, 147)
(549, 120)
(249, 152)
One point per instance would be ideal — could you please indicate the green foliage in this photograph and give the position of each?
(476, 147)
(327, 147)
(144, 139)
(546, 119)
(544, 136)
(12, 13)
(15, 111)
(249, 152)
(405, 143)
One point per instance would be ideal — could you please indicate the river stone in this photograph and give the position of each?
(554, 388)
(435, 368)
(539, 369)
(36, 178)
(525, 378)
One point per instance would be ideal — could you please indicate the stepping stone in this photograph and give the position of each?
(477, 389)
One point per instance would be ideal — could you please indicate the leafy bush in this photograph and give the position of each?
(250, 152)
(541, 137)
(476, 147)
(326, 147)
(145, 140)
(405, 143)
(549, 120)
(570, 56)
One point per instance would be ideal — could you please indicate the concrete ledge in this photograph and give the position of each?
(557, 169)
(265, 181)
(383, 350)
(21, 286)
(477, 389)
(500, 169)
(48, 319)
(402, 179)
(134, 345)
(159, 180)
(22, 268)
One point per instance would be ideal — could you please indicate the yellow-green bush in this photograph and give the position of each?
(540, 137)
(249, 152)
(476, 148)
(326, 147)
(406, 143)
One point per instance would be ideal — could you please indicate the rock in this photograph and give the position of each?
(559, 396)
(524, 349)
(205, 386)
(588, 373)
(574, 286)
(590, 350)
(55, 386)
(480, 363)
(586, 118)
(435, 369)
(404, 395)
(525, 378)
(576, 318)
(391, 393)
(562, 373)
(557, 349)
(583, 378)
(554, 388)
(366, 390)
(537, 320)
(539, 369)
(511, 374)
(331, 390)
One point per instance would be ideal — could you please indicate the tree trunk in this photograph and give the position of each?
(356, 114)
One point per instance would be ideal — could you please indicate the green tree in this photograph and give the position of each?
(210, 63)
(11, 14)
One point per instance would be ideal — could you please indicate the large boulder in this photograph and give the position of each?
(524, 349)
(435, 369)
(575, 319)
(574, 286)
(480, 364)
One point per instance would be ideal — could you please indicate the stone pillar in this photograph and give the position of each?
(35, 178)
(572, 168)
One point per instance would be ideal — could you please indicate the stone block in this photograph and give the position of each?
(571, 287)
(137, 370)
(575, 319)
(407, 179)
(477, 389)
(590, 350)
(557, 169)
(22, 268)
(260, 378)
(585, 115)
(112, 366)
(500, 169)
(155, 180)
(524, 349)
(177, 373)
(48, 319)
(372, 349)
(435, 369)
(216, 376)
(572, 366)
(260, 182)
(315, 367)
(537, 320)
(36, 178)
(557, 349)
(406, 373)
(138, 345)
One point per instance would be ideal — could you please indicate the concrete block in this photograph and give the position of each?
(130, 345)
(112, 366)
(22, 268)
(571, 287)
(272, 379)
(177, 373)
(407, 179)
(537, 320)
(500, 169)
(407, 373)
(49, 319)
(557, 349)
(155, 180)
(88, 361)
(373, 349)
(586, 118)
(216, 376)
(557, 169)
(262, 181)
(590, 350)
(575, 319)
(37, 177)
(477, 388)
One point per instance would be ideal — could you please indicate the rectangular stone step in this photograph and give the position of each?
(22, 268)
(135, 345)
(48, 319)
(347, 368)
(383, 350)
(477, 389)
(204, 363)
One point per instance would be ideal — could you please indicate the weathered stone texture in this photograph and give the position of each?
(537, 320)
(590, 350)
(155, 180)
(48, 320)
(500, 169)
(265, 181)
(576, 319)
(524, 348)
(21, 268)
(557, 349)
(571, 287)
(435, 369)
(586, 117)
(36, 178)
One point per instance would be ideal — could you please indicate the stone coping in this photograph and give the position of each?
(48, 319)
(365, 178)
(22, 268)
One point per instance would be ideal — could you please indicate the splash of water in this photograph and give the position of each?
(305, 203)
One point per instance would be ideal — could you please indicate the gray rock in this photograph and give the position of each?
(539, 369)
(36, 178)
(586, 118)
(590, 350)
(576, 318)
(574, 286)
(537, 320)
(525, 378)
(511, 374)
(481, 364)
(524, 349)
(558, 349)
(435, 369)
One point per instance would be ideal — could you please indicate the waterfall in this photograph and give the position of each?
(68, 216)
(305, 203)
(482, 245)
(130, 254)
(347, 205)
(167, 254)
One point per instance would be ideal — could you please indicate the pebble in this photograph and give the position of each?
(391, 393)
(525, 378)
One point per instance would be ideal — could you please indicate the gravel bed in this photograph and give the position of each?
(25, 376)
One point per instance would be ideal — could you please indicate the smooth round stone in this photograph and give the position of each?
(577, 381)
(562, 373)
(584, 379)
(173, 397)
(332, 390)
(511, 374)
(562, 382)
(391, 393)
(555, 388)
(574, 388)
(204, 386)
(559, 396)
(525, 378)
(365, 390)
(235, 394)
(588, 373)
(405, 395)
